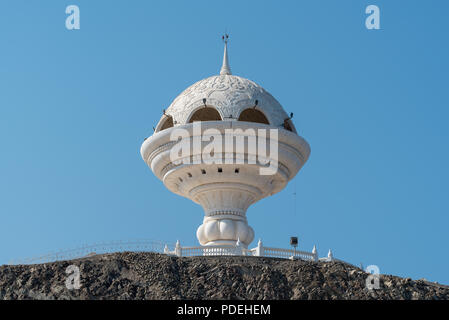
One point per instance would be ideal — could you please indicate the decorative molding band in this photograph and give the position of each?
(221, 186)
(160, 149)
(224, 212)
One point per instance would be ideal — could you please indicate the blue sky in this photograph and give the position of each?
(75, 107)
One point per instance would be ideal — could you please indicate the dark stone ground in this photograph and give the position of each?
(154, 276)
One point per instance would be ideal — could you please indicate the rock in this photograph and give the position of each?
(131, 275)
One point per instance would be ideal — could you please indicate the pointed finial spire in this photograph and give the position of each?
(225, 69)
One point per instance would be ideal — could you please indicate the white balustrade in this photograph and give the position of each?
(239, 250)
(177, 250)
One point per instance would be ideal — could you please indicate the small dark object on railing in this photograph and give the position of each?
(294, 241)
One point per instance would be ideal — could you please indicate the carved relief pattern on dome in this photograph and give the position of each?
(230, 95)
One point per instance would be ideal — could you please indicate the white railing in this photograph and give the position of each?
(239, 250)
(176, 250)
(95, 249)
(208, 251)
(288, 253)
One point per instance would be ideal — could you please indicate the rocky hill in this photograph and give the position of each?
(154, 276)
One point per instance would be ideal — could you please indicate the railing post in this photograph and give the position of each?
(259, 249)
(315, 254)
(178, 250)
(330, 256)
(238, 248)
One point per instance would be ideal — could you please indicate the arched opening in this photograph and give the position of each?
(168, 123)
(253, 115)
(288, 125)
(205, 114)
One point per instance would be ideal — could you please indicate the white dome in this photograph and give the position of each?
(229, 95)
